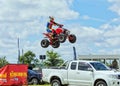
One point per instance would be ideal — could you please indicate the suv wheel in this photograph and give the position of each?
(34, 81)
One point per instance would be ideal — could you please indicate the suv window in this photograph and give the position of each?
(83, 66)
(73, 65)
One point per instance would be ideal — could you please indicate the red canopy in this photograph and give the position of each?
(13, 74)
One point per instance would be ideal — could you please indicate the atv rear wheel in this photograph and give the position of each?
(44, 43)
(62, 38)
(72, 38)
(56, 44)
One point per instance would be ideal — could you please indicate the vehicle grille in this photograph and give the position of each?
(118, 76)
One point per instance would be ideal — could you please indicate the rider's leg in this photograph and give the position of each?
(50, 33)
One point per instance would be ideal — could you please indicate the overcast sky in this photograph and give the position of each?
(96, 24)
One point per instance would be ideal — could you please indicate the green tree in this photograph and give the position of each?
(29, 58)
(53, 59)
(3, 61)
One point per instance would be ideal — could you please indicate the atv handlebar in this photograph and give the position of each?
(60, 25)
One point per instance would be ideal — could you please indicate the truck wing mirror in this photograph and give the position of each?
(90, 69)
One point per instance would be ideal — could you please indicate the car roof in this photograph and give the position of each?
(83, 61)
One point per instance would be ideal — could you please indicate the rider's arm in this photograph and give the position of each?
(50, 25)
(56, 24)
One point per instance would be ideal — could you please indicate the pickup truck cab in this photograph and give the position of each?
(81, 73)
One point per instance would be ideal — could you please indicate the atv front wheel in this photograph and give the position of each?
(72, 38)
(44, 43)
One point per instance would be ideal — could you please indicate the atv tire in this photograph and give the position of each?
(72, 38)
(44, 43)
(62, 38)
(56, 44)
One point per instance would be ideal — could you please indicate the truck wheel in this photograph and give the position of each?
(100, 83)
(55, 82)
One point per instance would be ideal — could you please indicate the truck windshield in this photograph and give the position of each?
(99, 66)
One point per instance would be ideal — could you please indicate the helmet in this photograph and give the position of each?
(51, 17)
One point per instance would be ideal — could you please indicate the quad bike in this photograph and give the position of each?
(59, 36)
(63, 34)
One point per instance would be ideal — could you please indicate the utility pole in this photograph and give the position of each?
(18, 51)
(23, 56)
(74, 51)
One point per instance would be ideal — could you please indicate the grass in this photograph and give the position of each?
(40, 85)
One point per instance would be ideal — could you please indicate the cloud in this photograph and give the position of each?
(97, 40)
(109, 52)
(85, 33)
(18, 10)
(113, 41)
(110, 36)
(22, 18)
(115, 29)
(86, 17)
(115, 6)
(26, 19)
(116, 20)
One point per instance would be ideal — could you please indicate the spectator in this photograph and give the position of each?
(115, 64)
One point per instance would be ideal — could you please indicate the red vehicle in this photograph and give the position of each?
(59, 36)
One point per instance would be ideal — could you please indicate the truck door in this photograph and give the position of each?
(84, 76)
(72, 73)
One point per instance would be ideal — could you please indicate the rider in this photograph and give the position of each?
(50, 24)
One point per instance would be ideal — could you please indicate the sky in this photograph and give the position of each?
(96, 23)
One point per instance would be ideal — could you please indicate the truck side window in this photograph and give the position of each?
(73, 65)
(83, 66)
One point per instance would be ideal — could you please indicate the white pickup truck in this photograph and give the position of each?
(81, 73)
